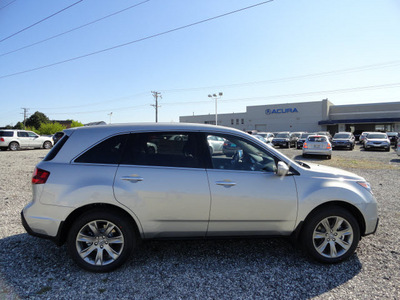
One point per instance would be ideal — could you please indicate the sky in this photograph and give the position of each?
(84, 60)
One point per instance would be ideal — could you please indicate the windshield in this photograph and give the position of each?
(282, 135)
(342, 136)
(305, 135)
(377, 136)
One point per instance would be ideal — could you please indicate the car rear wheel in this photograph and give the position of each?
(100, 241)
(14, 146)
(331, 234)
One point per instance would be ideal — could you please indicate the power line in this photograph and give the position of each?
(7, 4)
(73, 29)
(286, 79)
(262, 98)
(38, 22)
(135, 41)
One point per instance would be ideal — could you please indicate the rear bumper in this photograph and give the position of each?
(56, 239)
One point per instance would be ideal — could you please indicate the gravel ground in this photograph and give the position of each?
(32, 268)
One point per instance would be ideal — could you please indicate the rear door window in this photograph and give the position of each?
(165, 149)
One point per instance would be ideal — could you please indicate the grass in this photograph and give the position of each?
(341, 162)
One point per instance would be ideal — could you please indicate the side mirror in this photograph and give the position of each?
(283, 169)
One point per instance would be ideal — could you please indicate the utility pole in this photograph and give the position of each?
(25, 113)
(110, 114)
(156, 106)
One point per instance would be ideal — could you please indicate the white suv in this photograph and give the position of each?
(102, 189)
(17, 139)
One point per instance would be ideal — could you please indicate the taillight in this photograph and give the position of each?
(328, 147)
(1, 139)
(305, 145)
(40, 176)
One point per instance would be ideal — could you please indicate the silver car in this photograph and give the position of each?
(377, 140)
(19, 139)
(101, 190)
(317, 145)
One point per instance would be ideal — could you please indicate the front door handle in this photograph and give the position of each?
(132, 178)
(225, 183)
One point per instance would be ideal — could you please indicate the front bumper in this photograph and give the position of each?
(342, 145)
(281, 143)
(377, 146)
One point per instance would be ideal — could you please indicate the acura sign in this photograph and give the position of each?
(280, 111)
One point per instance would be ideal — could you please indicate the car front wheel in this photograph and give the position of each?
(331, 234)
(100, 241)
(47, 145)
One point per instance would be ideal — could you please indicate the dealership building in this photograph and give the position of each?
(309, 116)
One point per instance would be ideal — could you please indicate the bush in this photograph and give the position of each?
(50, 128)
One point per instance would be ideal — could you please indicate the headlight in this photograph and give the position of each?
(365, 185)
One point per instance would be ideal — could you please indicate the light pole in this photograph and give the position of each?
(215, 96)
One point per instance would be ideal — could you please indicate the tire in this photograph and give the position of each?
(329, 156)
(331, 234)
(387, 150)
(93, 249)
(47, 145)
(13, 146)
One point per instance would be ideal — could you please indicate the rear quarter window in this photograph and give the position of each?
(108, 151)
(53, 152)
(7, 133)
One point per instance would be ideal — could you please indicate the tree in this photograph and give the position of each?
(36, 119)
(75, 123)
(19, 125)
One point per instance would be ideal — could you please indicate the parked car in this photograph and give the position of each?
(377, 140)
(393, 137)
(22, 139)
(260, 138)
(326, 133)
(297, 136)
(284, 139)
(317, 145)
(363, 136)
(343, 140)
(302, 139)
(398, 147)
(215, 144)
(100, 193)
(57, 136)
(268, 136)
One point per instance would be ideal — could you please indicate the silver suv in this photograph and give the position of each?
(102, 189)
(17, 139)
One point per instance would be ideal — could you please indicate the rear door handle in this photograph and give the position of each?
(225, 183)
(132, 178)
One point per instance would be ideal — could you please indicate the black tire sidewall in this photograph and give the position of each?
(316, 217)
(121, 221)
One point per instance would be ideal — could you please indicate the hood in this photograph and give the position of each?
(377, 140)
(326, 171)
